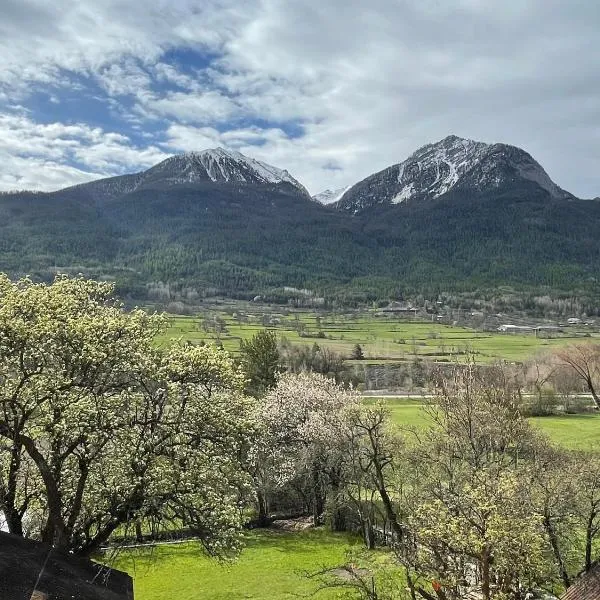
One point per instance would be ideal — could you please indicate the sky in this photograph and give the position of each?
(331, 90)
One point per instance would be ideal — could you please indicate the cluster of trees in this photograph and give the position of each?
(100, 430)
(316, 358)
(480, 503)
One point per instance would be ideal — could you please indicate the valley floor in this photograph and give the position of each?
(576, 432)
(385, 338)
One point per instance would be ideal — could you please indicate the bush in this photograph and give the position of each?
(544, 404)
(357, 353)
(574, 405)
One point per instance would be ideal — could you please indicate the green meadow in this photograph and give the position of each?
(383, 337)
(578, 432)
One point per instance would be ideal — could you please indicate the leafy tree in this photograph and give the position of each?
(357, 353)
(370, 451)
(98, 429)
(584, 360)
(304, 416)
(260, 360)
(476, 525)
(459, 497)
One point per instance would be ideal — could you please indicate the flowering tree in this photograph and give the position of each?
(99, 429)
(304, 416)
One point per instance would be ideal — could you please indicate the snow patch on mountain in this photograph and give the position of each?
(221, 165)
(435, 169)
(405, 193)
(218, 161)
(453, 162)
(331, 196)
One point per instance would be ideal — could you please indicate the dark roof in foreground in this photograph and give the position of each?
(586, 586)
(61, 576)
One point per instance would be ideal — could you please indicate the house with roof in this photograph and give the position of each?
(585, 587)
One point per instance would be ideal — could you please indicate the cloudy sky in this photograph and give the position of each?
(331, 90)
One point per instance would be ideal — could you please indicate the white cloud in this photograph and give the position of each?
(124, 78)
(203, 107)
(41, 156)
(39, 174)
(87, 35)
(167, 73)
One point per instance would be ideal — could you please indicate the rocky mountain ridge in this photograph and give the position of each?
(217, 165)
(457, 215)
(451, 164)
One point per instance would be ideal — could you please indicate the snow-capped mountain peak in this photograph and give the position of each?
(330, 196)
(448, 160)
(451, 163)
(220, 165)
(217, 165)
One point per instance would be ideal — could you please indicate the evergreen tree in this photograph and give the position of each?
(260, 360)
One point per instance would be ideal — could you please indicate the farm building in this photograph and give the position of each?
(514, 328)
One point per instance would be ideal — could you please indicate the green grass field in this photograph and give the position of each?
(581, 432)
(272, 566)
(383, 337)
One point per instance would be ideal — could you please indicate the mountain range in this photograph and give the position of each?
(457, 215)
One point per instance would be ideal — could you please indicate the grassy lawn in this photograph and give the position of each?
(581, 432)
(271, 566)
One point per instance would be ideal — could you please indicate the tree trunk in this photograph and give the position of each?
(317, 500)
(8, 499)
(338, 518)
(592, 389)
(14, 520)
(589, 541)
(387, 502)
(368, 534)
(557, 553)
(485, 573)
(55, 532)
(411, 584)
(263, 509)
(139, 534)
(338, 514)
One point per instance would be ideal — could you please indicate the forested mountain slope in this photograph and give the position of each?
(221, 223)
